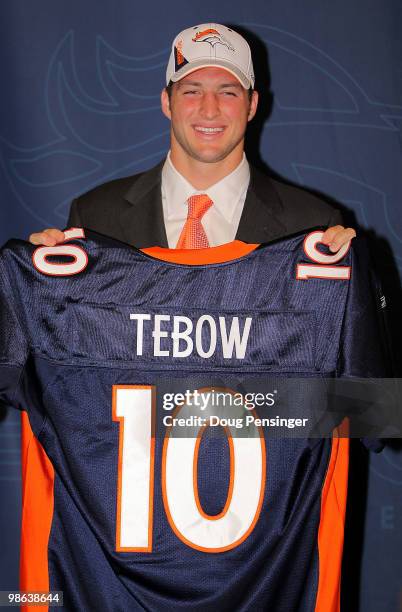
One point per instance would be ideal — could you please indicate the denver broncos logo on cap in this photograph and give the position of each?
(213, 37)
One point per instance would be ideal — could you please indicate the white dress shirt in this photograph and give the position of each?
(221, 221)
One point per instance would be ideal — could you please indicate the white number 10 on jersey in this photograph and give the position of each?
(134, 408)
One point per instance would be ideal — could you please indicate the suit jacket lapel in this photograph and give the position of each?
(261, 218)
(142, 224)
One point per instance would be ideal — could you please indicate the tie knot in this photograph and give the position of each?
(198, 205)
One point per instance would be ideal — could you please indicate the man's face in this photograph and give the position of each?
(209, 111)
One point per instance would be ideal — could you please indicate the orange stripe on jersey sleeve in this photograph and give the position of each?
(37, 512)
(331, 528)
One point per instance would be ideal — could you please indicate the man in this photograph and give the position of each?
(209, 99)
(209, 103)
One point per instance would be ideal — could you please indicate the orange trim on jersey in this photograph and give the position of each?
(200, 257)
(343, 430)
(120, 420)
(37, 512)
(213, 517)
(331, 529)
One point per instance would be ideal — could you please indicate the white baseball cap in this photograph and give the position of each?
(210, 44)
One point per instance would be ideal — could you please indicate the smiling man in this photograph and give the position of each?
(205, 193)
(209, 110)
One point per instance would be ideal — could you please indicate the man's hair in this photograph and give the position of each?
(169, 89)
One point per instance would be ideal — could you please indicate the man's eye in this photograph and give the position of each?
(190, 91)
(230, 93)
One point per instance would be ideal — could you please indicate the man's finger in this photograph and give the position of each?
(48, 237)
(341, 238)
(330, 234)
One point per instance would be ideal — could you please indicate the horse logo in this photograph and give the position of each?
(213, 37)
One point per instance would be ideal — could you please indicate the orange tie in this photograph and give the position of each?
(193, 235)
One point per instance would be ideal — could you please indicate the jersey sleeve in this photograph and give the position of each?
(13, 341)
(365, 348)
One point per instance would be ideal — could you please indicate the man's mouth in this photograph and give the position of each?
(208, 130)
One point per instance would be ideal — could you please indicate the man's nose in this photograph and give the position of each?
(209, 105)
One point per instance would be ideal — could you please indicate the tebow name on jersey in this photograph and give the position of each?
(186, 337)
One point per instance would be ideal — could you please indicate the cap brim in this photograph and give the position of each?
(203, 63)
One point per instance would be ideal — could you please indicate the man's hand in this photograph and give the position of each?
(336, 236)
(48, 237)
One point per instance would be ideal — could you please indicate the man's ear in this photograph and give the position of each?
(165, 104)
(253, 105)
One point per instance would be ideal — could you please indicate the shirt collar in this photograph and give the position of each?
(225, 194)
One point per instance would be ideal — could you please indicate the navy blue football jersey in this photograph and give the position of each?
(119, 514)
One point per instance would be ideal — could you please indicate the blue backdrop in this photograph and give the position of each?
(80, 105)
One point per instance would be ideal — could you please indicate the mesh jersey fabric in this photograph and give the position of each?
(68, 341)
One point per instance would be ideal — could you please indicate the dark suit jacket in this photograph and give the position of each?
(130, 209)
